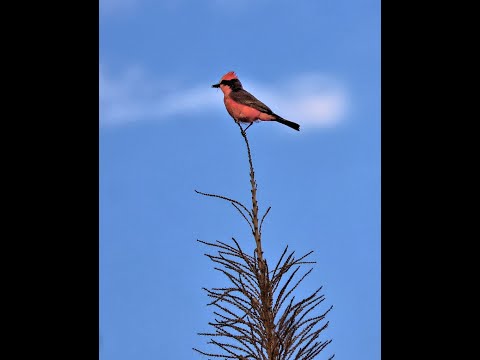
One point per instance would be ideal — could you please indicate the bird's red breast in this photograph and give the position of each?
(244, 113)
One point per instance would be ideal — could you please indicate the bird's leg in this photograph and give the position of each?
(248, 127)
(241, 127)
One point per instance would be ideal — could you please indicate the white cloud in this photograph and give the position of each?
(312, 100)
(133, 97)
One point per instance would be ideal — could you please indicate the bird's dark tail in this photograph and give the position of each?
(287, 122)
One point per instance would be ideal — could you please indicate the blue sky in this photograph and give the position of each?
(165, 132)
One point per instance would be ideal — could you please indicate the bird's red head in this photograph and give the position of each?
(230, 79)
(229, 76)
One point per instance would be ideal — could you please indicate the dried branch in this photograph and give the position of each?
(242, 319)
(225, 198)
(248, 221)
(263, 218)
(257, 315)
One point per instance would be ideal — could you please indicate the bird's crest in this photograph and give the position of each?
(229, 76)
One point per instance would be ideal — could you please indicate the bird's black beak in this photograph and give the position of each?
(216, 86)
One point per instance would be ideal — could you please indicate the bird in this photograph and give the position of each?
(244, 107)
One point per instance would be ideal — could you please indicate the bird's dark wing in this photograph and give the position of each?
(244, 97)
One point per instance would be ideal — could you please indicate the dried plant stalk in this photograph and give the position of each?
(257, 316)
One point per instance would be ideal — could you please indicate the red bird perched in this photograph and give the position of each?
(243, 106)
